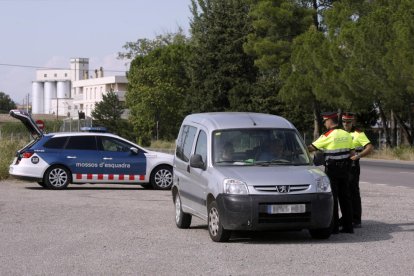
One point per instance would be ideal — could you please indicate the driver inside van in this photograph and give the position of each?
(272, 149)
(227, 152)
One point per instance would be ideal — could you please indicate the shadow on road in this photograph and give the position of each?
(372, 231)
(77, 188)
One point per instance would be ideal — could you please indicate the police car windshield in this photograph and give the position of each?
(264, 147)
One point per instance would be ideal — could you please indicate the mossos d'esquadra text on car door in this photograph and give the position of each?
(248, 171)
(56, 159)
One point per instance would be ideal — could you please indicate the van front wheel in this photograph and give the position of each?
(215, 228)
(320, 234)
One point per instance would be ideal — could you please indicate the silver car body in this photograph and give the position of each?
(268, 184)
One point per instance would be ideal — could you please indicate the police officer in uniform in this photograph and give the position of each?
(337, 146)
(363, 147)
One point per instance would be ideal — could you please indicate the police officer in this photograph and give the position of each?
(337, 146)
(363, 147)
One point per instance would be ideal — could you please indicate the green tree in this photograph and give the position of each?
(6, 103)
(108, 112)
(373, 43)
(218, 64)
(275, 26)
(157, 83)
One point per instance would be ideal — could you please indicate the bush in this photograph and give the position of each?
(397, 153)
(8, 150)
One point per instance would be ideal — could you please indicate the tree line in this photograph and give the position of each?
(294, 58)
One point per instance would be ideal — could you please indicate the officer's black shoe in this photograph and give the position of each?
(357, 225)
(347, 230)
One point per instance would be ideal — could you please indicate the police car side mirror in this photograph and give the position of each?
(134, 150)
(196, 161)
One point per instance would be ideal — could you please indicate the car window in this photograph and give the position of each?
(201, 146)
(112, 144)
(55, 143)
(81, 143)
(256, 146)
(185, 142)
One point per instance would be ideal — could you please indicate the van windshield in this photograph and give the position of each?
(262, 147)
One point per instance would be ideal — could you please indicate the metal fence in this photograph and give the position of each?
(73, 125)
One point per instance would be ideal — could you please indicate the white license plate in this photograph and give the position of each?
(287, 209)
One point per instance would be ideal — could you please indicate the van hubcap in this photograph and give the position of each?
(213, 221)
(177, 209)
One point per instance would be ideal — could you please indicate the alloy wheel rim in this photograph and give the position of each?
(163, 178)
(58, 177)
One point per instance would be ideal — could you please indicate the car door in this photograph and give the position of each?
(199, 176)
(185, 143)
(82, 157)
(120, 162)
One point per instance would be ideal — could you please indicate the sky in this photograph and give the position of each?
(48, 33)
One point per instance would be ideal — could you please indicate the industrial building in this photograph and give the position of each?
(66, 92)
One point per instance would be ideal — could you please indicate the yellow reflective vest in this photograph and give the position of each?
(335, 143)
(359, 140)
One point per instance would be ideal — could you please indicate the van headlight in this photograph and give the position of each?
(323, 185)
(235, 187)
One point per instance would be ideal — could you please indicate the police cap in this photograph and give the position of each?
(329, 115)
(348, 116)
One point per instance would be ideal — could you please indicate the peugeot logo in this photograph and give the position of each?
(282, 189)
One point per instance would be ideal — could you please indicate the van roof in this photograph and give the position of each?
(232, 120)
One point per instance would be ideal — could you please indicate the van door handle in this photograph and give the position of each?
(107, 158)
(71, 157)
(188, 168)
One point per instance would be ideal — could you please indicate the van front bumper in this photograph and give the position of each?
(253, 212)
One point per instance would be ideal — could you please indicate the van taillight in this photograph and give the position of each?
(27, 154)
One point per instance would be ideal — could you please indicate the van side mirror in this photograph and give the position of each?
(196, 161)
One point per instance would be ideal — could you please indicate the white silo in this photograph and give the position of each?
(37, 97)
(63, 89)
(50, 93)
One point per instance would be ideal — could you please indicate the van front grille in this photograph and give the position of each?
(283, 188)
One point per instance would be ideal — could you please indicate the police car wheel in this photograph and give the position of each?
(162, 178)
(57, 178)
(182, 220)
(42, 184)
(320, 234)
(215, 228)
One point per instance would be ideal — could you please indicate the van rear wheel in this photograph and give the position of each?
(215, 228)
(183, 220)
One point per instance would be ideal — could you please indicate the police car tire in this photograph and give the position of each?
(320, 234)
(215, 228)
(41, 183)
(162, 178)
(146, 186)
(182, 220)
(60, 172)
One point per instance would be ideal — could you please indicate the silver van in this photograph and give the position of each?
(248, 171)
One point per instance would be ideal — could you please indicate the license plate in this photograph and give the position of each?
(287, 209)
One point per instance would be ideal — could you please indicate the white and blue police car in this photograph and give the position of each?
(55, 160)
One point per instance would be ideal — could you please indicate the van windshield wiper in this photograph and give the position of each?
(274, 162)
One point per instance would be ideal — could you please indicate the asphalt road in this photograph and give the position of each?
(126, 230)
(395, 173)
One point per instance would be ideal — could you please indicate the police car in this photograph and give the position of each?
(55, 160)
